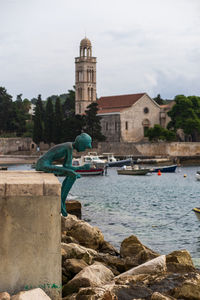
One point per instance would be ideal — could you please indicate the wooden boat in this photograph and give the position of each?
(165, 169)
(132, 171)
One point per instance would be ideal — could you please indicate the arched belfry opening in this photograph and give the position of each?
(85, 77)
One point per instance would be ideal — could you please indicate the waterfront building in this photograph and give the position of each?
(124, 118)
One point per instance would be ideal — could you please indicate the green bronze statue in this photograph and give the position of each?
(65, 150)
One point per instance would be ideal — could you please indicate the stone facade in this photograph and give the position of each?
(128, 123)
(85, 77)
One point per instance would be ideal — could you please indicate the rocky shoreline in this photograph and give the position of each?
(92, 269)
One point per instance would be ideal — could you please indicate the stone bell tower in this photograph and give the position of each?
(85, 80)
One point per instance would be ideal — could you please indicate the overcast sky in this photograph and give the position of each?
(148, 46)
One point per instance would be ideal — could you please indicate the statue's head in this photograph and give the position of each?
(83, 142)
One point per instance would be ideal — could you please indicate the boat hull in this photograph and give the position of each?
(165, 169)
(90, 172)
(133, 172)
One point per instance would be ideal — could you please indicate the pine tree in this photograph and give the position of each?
(58, 122)
(6, 111)
(93, 124)
(49, 122)
(37, 119)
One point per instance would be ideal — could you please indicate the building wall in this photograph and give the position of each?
(111, 127)
(134, 119)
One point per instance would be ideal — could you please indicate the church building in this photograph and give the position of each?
(124, 118)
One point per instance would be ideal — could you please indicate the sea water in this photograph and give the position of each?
(157, 209)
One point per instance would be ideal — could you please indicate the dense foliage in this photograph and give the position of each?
(158, 133)
(185, 115)
(54, 119)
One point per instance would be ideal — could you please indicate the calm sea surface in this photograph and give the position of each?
(157, 209)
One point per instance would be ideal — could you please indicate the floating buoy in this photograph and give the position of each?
(184, 175)
(159, 173)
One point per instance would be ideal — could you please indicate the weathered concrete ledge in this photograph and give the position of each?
(30, 232)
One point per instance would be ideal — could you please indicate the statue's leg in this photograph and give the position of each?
(66, 186)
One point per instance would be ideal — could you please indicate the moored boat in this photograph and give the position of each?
(132, 171)
(114, 162)
(91, 171)
(165, 169)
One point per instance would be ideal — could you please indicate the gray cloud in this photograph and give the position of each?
(149, 46)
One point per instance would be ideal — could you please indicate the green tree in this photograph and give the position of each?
(6, 111)
(49, 122)
(93, 123)
(185, 115)
(20, 115)
(37, 123)
(159, 100)
(58, 122)
(69, 104)
(159, 133)
(73, 126)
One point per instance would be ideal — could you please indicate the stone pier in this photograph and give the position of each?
(30, 232)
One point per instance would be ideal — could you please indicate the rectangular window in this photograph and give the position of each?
(126, 125)
(106, 126)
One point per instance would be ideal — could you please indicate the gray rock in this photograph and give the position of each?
(94, 275)
(34, 294)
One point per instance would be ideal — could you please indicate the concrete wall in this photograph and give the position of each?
(9, 145)
(151, 149)
(30, 242)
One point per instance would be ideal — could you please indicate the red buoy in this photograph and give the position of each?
(159, 173)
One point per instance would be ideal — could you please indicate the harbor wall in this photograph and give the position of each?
(174, 149)
(30, 232)
(10, 145)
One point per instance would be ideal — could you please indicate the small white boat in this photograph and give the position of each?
(93, 159)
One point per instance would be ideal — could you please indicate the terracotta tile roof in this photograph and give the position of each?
(117, 103)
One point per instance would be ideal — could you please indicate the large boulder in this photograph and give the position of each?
(156, 265)
(190, 289)
(135, 252)
(94, 275)
(33, 294)
(92, 293)
(114, 263)
(83, 232)
(4, 296)
(179, 261)
(73, 266)
(76, 251)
